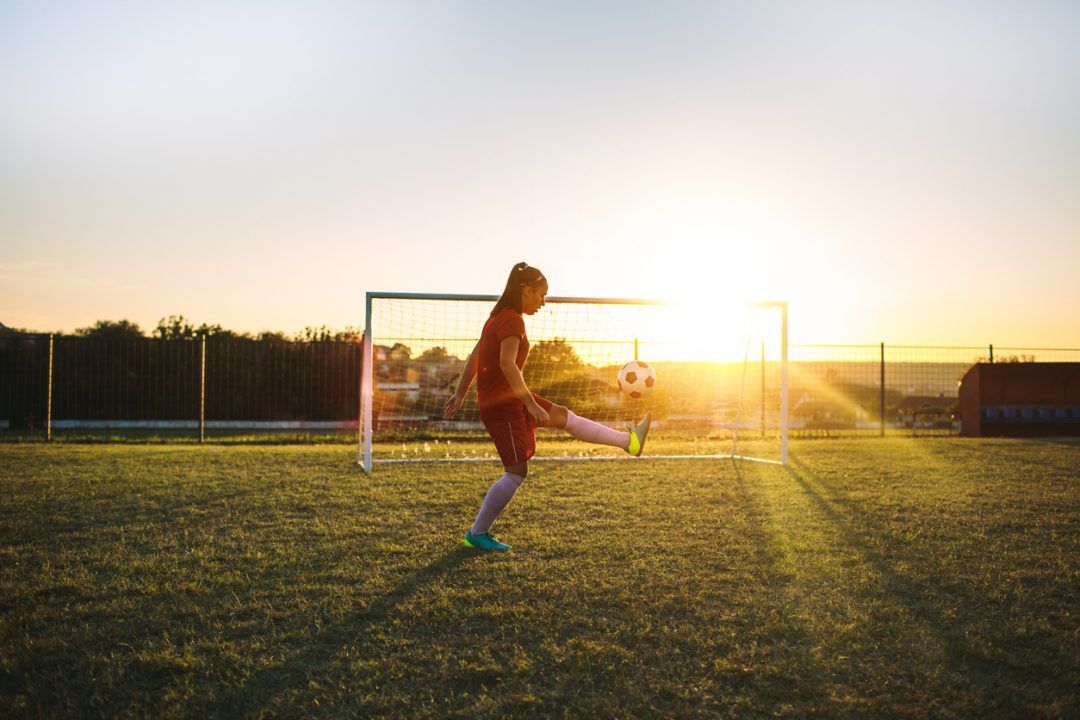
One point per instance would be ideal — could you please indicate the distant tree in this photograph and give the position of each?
(111, 330)
(314, 334)
(398, 361)
(271, 336)
(178, 327)
(349, 334)
(1006, 359)
(174, 327)
(325, 334)
(219, 333)
(551, 361)
(434, 356)
(5, 330)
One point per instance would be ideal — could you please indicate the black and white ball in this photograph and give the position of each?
(636, 379)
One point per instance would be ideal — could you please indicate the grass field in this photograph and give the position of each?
(872, 578)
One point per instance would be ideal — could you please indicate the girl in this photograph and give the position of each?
(509, 410)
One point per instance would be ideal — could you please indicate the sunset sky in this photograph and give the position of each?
(904, 172)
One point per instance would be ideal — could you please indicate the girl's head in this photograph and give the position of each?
(525, 291)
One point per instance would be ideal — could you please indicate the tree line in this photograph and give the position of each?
(178, 327)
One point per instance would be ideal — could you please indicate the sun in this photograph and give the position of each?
(712, 251)
(712, 315)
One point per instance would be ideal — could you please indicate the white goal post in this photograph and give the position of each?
(721, 389)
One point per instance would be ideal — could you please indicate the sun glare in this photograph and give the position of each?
(708, 330)
(712, 315)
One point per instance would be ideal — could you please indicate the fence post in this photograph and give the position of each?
(635, 348)
(991, 353)
(48, 405)
(202, 388)
(882, 400)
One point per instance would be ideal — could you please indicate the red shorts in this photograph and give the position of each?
(513, 429)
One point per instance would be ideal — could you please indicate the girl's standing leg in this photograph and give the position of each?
(515, 441)
(498, 496)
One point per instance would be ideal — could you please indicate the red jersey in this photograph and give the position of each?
(492, 388)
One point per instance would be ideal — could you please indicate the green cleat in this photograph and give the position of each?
(637, 435)
(483, 541)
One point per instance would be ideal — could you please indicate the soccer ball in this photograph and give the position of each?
(636, 379)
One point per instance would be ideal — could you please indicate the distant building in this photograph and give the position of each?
(913, 405)
(925, 402)
(1025, 399)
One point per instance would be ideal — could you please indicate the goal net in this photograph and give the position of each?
(720, 389)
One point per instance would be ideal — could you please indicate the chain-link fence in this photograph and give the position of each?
(74, 387)
(247, 390)
(887, 389)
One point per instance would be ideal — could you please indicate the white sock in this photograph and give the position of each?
(498, 495)
(593, 432)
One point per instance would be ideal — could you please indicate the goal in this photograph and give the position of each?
(720, 392)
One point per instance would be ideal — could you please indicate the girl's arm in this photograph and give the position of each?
(508, 350)
(464, 382)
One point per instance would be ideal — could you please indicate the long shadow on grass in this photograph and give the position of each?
(806, 681)
(993, 455)
(257, 691)
(980, 670)
(1073, 442)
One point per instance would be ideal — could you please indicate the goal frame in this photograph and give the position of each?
(367, 463)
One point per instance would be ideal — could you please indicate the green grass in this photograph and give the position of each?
(906, 578)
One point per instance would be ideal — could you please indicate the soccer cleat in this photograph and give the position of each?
(637, 435)
(483, 541)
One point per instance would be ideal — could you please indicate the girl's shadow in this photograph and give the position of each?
(258, 690)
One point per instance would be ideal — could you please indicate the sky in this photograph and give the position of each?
(904, 172)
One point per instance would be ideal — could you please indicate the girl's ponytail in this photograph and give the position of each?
(521, 274)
